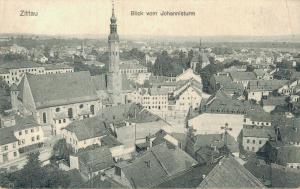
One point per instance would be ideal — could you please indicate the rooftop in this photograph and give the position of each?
(228, 173)
(242, 76)
(68, 88)
(156, 166)
(97, 159)
(88, 128)
(258, 131)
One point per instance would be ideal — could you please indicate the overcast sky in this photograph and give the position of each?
(213, 17)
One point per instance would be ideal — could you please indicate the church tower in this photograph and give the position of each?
(114, 74)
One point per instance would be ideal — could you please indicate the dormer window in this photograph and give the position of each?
(81, 106)
(57, 109)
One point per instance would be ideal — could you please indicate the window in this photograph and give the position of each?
(59, 121)
(248, 141)
(244, 120)
(57, 109)
(44, 117)
(259, 142)
(5, 148)
(20, 133)
(32, 139)
(81, 106)
(14, 145)
(15, 154)
(247, 147)
(70, 113)
(26, 131)
(92, 109)
(253, 149)
(32, 130)
(253, 141)
(291, 166)
(64, 120)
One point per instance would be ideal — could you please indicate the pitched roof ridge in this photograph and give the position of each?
(160, 163)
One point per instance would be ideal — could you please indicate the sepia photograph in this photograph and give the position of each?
(149, 94)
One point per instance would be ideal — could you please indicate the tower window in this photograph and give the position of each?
(44, 117)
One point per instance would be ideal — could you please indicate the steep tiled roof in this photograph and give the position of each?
(266, 85)
(230, 174)
(242, 76)
(288, 154)
(97, 159)
(7, 136)
(258, 131)
(223, 103)
(88, 128)
(60, 89)
(259, 116)
(156, 165)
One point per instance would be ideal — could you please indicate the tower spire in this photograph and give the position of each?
(113, 8)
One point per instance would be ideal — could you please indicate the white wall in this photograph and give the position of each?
(211, 123)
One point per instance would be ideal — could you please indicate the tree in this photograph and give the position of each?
(62, 150)
(32, 175)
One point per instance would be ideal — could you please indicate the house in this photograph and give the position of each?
(289, 156)
(220, 110)
(150, 98)
(261, 89)
(157, 165)
(131, 70)
(242, 77)
(23, 134)
(290, 134)
(272, 102)
(116, 148)
(8, 145)
(187, 95)
(273, 175)
(206, 148)
(92, 162)
(13, 72)
(260, 118)
(263, 74)
(255, 137)
(131, 124)
(219, 80)
(188, 74)
(57, 100)
(87, 132)
(228, 173)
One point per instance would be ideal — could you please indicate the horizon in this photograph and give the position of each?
(258, 18)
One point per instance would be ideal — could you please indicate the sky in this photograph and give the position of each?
(212, 17)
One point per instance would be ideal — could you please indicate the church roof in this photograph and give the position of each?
(59, 89)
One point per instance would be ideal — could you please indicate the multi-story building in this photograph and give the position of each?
(57, 101)
(255, 137)
(13, 72)
(14, 139)
(152, 98)
(83, 133)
